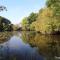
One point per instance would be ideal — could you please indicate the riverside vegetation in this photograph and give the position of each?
(28, 44)
(46, 21)
(5, 24)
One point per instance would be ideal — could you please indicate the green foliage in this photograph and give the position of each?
(27, 21)
(32, 27)
(55, 5)
(32, 17)
(25, 25)
(47, 21)
(5, 24)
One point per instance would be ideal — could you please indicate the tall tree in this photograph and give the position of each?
(25, 24)
(55, 5)
(32, 17)
(5, 24)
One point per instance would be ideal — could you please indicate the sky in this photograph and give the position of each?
(18, 9)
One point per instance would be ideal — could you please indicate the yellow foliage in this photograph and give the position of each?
(46, 22)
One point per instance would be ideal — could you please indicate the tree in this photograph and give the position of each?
(25, 25)
(55, 5)
(32, 17)
(48, 20)
(3, 8)
(27, 21)
(5, 24)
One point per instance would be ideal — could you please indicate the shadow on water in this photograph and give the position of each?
(29, 46)
(5, 36)
(48, 45)
(14, 48)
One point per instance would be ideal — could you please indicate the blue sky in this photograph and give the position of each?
(17, 9)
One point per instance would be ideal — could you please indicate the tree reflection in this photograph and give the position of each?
(4, 36)
(48, 45)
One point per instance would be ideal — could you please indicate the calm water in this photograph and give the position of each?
(29, 46)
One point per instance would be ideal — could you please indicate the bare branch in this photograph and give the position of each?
(3, 8)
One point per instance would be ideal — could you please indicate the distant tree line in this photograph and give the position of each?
(6, 25)
(46, 21)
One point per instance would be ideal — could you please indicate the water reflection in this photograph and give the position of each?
(4, 36)
(16, 49)
(48, 45)
(29, 46)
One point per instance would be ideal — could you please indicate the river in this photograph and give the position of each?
(29, 45)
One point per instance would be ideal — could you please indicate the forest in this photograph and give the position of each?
(46, 21)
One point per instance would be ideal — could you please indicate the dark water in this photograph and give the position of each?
(29, 46)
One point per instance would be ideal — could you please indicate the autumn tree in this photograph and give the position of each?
(48, 21)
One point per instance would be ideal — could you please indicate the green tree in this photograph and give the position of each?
(32, 17)
(55, 5)
(25, 25)
(5, 24)
(48, 20)
(27, 21)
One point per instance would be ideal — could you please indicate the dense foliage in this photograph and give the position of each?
(47, 21)
(27, 21)
(5, 24)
